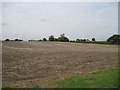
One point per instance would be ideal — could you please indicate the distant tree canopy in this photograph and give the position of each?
(51, 38)
(93, 39)
(13, 40)
(40, 40)
(115, 39)
(77, 40)
(55, 39)
(63, 38)
(44, 39)
(81, 40)
(18, 40)
(7, 39)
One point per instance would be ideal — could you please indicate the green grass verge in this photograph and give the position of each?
(34, 86)
(100, 79)
(7, 87)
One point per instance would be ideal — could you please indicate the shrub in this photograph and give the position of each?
(93, 39)
(51, 38)
(63, 38)
(7, 40)
(44, 39)
(115, 39)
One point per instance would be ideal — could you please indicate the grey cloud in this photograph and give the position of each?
(4, 24)
(45, 20)
(76, 20)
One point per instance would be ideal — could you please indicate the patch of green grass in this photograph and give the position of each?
(107, 78)
(36, 86)
(7, 87)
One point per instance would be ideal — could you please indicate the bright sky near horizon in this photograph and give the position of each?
(36, 20)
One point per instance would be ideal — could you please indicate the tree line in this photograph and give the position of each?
(13, 40)
(115, 39)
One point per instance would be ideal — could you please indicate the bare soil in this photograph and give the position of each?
(25, 64)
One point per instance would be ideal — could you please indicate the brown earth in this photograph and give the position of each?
(25, 64)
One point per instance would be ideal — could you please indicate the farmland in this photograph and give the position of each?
(27, 64)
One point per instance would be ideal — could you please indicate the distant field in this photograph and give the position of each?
(35, 64)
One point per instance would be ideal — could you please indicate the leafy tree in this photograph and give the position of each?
(40, 40)
(51, 38)
(84, 40)
(115, 39)
(30, 40)
(16, 39)
(93, 39)
(87, 40)
(77, 40)
(20, 40)
(55, 39)
(44, 39)
(63, 38)
(72, 41)
(7, 40)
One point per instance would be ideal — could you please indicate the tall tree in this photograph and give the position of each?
(7, 40)
(77, 40)
(51, 38)
(115, 39)
(93, 39)
(63, 38)
(44, 39)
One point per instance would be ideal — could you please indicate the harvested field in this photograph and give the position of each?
(25, 64)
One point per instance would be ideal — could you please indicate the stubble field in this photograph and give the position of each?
(25, 64)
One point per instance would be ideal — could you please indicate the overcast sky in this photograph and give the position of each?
(36, 20)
